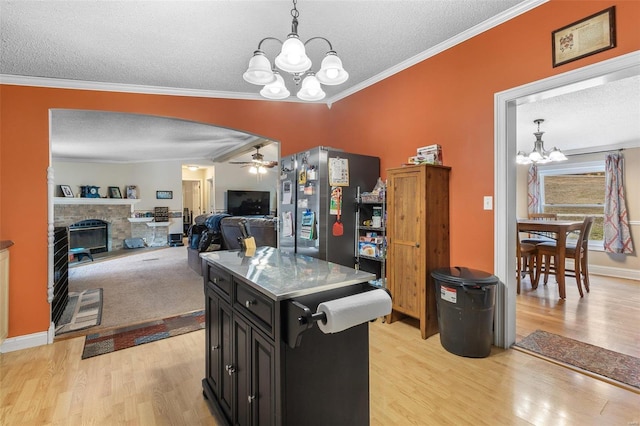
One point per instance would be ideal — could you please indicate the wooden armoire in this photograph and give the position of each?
(417, 240)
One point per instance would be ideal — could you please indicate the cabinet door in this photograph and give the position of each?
(213, 340)
(262, 398)
(405, 230)
(241, 374)
(225, 398)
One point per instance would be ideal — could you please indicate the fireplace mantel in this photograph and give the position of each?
(100, 201)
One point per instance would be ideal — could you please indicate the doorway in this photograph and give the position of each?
(191, 202)
(505, 105)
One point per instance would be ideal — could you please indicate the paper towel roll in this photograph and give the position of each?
(352, 310)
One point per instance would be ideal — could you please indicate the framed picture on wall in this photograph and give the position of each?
(66, 191)
(132, 192)
(585, 37)
(164, 195)
(114, 192)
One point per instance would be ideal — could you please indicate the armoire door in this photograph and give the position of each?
(406, 240)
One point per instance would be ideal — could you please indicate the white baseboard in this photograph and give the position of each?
(607, 271)
(23, 342)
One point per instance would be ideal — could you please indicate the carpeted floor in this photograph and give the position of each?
(613, 365)
(143, 286)
(83, 310)
(122, 338)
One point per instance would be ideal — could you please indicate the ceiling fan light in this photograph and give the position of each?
(259, 70)
(275, 90)
(253, 170)
(311, 89)
(331, 71)
(262, 170)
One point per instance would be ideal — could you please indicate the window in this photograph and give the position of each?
(574, 191)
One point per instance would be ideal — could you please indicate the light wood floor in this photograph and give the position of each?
(413, 381)
(608, 316)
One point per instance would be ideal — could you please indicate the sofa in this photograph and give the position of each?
(223, 232)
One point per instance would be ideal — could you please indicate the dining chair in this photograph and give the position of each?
(578, 251)
(540, 237)
(525, 257)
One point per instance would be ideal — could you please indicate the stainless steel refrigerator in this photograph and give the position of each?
(308, 207)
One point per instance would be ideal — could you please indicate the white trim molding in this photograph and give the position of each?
(60, 83)
(24, 342)
(505, 104)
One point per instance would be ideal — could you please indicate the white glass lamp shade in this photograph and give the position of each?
(557, 155)
(311, 89)
(293, 57)
(522, 158)
(253, 170)
(275, 90)
(331, 71)
(535, 157)
(259, 71)
(262, 170)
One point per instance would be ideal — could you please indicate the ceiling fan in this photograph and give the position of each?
(258, 164)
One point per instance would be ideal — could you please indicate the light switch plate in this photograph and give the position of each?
(488, 202)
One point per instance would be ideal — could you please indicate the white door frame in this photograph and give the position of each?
(505, 104)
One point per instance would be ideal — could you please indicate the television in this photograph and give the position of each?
(248, 203)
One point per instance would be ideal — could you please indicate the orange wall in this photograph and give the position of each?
(24, 137)
(447, 99)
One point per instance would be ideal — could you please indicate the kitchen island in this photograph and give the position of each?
(267, 363)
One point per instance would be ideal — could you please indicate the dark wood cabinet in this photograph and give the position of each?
(417, 240)
(256, 373)
(240, 363)
(60, 272)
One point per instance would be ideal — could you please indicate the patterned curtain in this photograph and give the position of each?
(617, 238)
(533, 190)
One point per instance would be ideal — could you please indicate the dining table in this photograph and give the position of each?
(560, 228)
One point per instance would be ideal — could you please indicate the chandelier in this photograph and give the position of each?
(294, 60)
(539, 155)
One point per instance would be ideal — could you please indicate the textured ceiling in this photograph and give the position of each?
(201, 48)
(596, 117)
(206, 45)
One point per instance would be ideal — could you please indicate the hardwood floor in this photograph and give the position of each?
(608, 316)
(413, 381)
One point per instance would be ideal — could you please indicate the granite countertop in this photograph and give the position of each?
(5, 244)
(282, 275)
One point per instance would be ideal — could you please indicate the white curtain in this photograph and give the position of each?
(533, 190)
(617, 238)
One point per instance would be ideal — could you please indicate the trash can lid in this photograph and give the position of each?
(460, 275)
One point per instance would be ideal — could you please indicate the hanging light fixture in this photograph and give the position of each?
(254, 170)
(539, 155)
(294, 60)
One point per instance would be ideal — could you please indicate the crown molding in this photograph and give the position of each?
(60, 83)
(507, 15)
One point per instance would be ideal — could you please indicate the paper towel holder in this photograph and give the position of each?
(300, 319)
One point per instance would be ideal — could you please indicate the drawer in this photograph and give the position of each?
(220, 280)
(255, 306)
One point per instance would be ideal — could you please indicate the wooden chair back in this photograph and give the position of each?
(543, 216)
(535, 216)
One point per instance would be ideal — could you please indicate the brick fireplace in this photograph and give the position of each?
(115, 215)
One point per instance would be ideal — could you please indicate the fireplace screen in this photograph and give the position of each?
(89, 234)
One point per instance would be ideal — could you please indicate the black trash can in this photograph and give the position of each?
(465, 300)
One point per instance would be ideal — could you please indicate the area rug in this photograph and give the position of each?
(126, 337)
(83, 310)
(613, 365)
